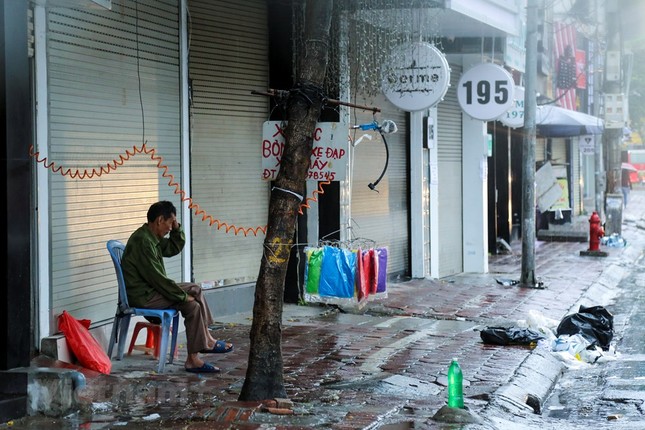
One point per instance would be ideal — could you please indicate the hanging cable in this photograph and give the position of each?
(372, 185)
(386, 127)
(118, 162)
(143, 116)
(320, 190)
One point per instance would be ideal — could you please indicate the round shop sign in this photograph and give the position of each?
(514, 117)
(485, 91)
(417, 77)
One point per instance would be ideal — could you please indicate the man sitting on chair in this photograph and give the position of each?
(148, 286)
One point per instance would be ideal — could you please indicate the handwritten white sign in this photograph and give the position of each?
(329, 154)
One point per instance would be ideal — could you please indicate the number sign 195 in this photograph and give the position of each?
(485, 91)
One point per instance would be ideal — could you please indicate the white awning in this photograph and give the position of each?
(554, 121)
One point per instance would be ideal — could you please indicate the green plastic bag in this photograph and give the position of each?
(314, 266)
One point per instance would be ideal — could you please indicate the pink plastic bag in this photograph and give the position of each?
(86, 349)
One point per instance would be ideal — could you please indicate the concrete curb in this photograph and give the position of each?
(530, 386)
(535, 377)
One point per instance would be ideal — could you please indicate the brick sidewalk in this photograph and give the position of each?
(387, 363)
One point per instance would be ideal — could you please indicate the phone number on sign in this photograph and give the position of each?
(314, 175)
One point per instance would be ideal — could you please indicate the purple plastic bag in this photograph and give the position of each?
(382, 269)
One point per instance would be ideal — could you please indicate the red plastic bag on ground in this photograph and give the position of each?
(86, 349)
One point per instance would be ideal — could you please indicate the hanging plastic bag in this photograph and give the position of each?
(362, 277)
(595, 323)
(381, 278)
(312, 272)
(87, 350)
(510, 336)
(375, 270)
(338, 273)
(367, 273)
(371, 263)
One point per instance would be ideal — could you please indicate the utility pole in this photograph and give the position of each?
(614, 118)
(600, 175)
(528, 150)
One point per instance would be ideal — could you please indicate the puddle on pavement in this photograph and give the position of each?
(435, 327)
(394, 385)
(407, 387)
(398, 426)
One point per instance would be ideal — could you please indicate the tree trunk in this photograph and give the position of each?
(264, 375)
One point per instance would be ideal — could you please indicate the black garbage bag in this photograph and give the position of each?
(509, 336)
(595, 323)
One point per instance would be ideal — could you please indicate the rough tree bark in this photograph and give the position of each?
(264, 375)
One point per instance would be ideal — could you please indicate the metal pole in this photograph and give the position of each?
(528, 150)
(613, 128)
(599, 150)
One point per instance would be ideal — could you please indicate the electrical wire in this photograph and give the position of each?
(77, 174)
(372, 185)
(320, 190)
(143, 111)
(143, 149)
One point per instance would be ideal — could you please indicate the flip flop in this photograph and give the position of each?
(219, 348)
(205, 368)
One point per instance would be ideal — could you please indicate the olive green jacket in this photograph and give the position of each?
(143, 266)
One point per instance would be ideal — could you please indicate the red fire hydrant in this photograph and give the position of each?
(595, 232)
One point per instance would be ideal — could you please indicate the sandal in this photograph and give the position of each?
(220, 347)
(205, 368)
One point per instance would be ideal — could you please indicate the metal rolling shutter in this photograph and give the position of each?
(449, 148)
(540, 150)
(95, 115)
(559, 151)
(228, 58)
(382, 216)
(560, 159)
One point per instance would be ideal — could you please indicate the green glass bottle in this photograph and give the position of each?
(455, 385)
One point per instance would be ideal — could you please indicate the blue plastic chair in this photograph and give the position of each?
(169, 317)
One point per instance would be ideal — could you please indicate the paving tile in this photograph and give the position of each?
(322, 353)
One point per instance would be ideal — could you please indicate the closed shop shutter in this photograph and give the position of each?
(449, 149)
(381, 215)
(560, 160)
(559, 151)
(113, 83)
(540, 151)
(228, 59)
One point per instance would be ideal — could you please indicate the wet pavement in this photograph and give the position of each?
(381, 367)
(612, 392)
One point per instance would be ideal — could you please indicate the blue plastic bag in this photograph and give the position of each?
(338, 273)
